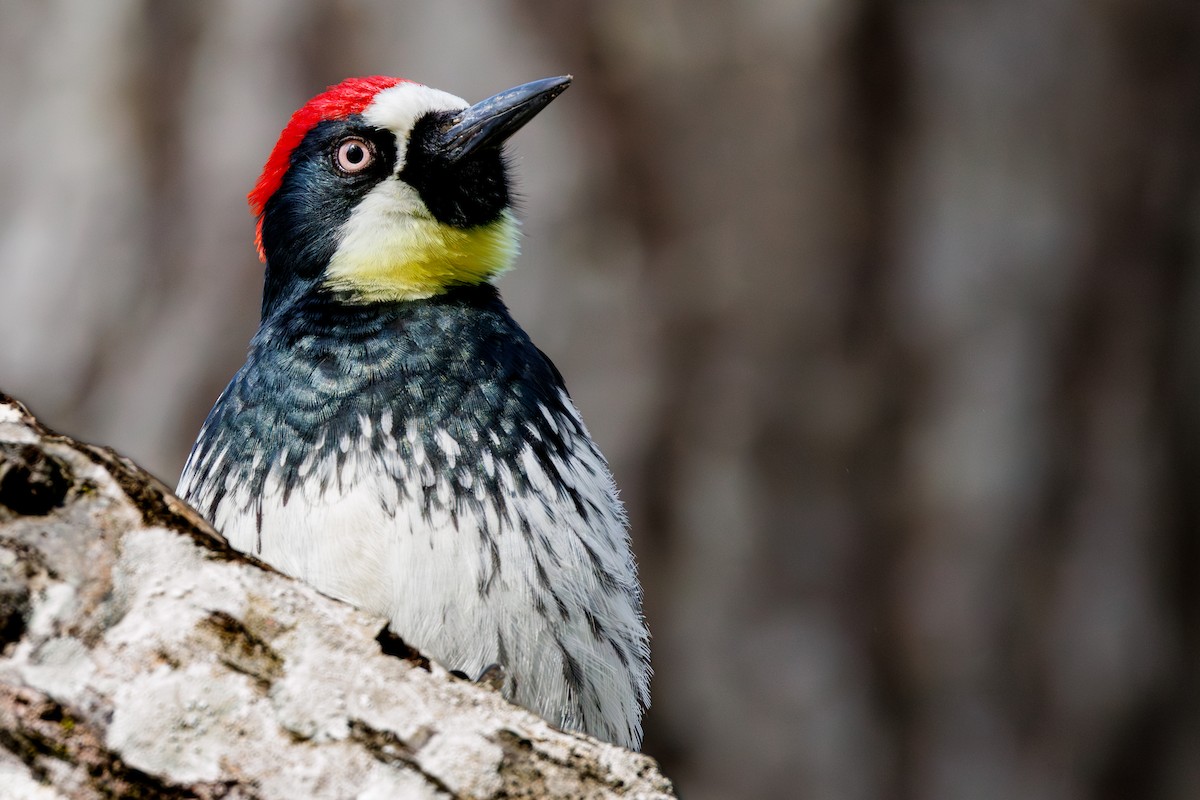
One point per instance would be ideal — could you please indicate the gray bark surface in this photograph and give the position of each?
(141, 656)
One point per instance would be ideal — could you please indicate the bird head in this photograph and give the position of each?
(382, 189)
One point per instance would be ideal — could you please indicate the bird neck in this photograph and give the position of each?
(413, 258)
(322, 311)
(382, 259)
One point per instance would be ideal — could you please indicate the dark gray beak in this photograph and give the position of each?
(490, 122)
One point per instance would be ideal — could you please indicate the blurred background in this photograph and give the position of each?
(886, 313)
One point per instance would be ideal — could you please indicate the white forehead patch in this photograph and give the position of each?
(399, 107)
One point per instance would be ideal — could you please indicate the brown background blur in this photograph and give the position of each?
(886, 312)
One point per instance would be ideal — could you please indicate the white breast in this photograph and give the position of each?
(530, 583)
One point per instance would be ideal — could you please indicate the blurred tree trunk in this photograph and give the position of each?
(922, 480)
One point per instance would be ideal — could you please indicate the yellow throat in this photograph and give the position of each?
(389, 256)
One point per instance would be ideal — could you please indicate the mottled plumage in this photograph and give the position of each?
(418, 456)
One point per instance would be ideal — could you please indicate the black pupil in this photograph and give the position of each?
(355, 154)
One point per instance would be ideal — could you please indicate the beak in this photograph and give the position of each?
(490, 122)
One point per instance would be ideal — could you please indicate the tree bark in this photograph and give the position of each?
(141, 656)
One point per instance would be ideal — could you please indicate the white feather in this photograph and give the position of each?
(367, 542)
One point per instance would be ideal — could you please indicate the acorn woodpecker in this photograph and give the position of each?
(394, 438)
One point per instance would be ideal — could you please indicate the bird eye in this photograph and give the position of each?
(354, 155)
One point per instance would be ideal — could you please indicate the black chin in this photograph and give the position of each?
(465, 193)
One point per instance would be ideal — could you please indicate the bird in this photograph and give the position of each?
(395, 439)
